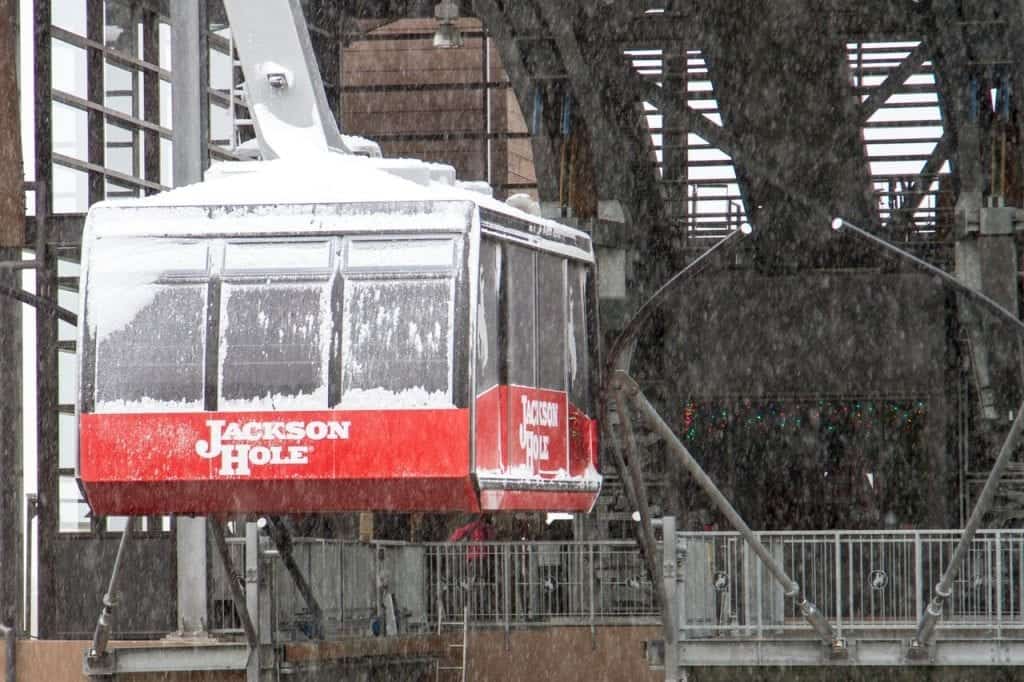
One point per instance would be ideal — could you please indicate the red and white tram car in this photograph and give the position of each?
(335, 334)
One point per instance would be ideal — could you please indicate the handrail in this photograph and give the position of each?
(944, 588)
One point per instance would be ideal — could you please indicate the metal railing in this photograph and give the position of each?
(503, 584)
(860, 580)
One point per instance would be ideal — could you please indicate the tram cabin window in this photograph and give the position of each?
(578, 343)
(274, 325)
(489, 294)
(550, 322)
(536, 319)
(397, 341)
(146, 325)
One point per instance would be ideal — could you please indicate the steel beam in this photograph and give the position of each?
(47, 447)
(169, 658)
(869, 651)
(190, 118)
(893, 82)
(915, 194)
(283, 542)
(10, 446)
(237, 594)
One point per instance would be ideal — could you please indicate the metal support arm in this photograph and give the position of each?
(237, 595)
(283, 541)
(97, 656)
(932, 613)
(930, 618)
(625, 385)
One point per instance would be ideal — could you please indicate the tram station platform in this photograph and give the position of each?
(538, 600)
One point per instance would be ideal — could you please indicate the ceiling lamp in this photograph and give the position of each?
(447, 34)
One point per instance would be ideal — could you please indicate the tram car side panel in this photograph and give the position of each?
(535, 432)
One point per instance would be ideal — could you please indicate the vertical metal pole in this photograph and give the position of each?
(190, 121)
(95, 128)
(47, 447)
(10, 445)
(252, 597)
(189, 78)
(151, 95)
(11, 330)
(999, 584)
(670, 614)
(590, 579)
(507, 583)
(759, 577)
(838, 549)
(918, 574)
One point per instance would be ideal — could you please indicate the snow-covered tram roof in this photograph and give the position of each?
(325, 194)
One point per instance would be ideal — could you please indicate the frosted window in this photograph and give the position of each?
(578, 362)
(487, 317)
(520, 284)
(551, 334)
(397, 342)
(272, 346)
(269, 256)
(392, 255)
(151, 357)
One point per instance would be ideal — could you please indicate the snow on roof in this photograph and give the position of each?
(327, 178)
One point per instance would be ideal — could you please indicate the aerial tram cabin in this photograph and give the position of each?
(337, 333)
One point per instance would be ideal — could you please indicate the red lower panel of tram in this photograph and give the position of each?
(535, 451)
(212, 462)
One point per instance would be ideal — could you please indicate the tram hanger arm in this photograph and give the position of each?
(285, 92)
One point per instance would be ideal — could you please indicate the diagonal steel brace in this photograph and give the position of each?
(234, 583)
(930, 618)
(626, 386)
(283, 541)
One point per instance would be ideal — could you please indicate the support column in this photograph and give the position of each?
(190, 121)
(47, 448)
(10, 445)
(12, 213)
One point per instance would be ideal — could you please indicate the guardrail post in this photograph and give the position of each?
(591, 571)
(669, 616)
(999, 584)
(508, 585)
(759, 583)
(745, 549)
(918, 574)
(838, 569)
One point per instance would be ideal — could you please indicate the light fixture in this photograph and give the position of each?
(447, 34)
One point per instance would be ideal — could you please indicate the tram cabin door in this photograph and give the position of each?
(532, 365)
